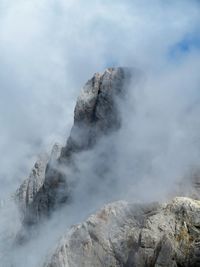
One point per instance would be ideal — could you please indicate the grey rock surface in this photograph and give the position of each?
(96, 114)
(26, 193)
(123, 234)
(29, 188)
(96, 110)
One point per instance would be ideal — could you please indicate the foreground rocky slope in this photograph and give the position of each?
(128, 235)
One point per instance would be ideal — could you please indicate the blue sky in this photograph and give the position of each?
(189, 43)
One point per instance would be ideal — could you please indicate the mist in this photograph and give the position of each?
(48, 50)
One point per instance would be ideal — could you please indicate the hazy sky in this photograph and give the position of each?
(48, 49)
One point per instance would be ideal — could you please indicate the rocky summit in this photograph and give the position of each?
(121, 233)
(96, 114)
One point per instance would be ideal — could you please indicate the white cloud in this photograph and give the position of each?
(48, 49)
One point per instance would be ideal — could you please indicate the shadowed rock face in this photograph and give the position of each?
(96, 114)
(26, 193)
(96, 110)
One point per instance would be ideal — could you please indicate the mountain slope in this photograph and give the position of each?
(120, 234)
(123, 234)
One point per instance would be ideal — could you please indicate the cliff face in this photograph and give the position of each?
(26, 193)
(121, 234)
(96, 114)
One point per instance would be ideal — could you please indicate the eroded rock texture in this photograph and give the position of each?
(96, 110)
(26, 193)
(123, 234)
(29, 188)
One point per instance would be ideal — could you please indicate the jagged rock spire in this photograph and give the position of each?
(96, 114)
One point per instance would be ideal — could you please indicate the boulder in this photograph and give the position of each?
(123, 234)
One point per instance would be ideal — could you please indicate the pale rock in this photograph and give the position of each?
(123, 234)
(29, 188)
(96, 114)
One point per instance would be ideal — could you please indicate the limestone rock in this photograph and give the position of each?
(29, 188)
(96, 114)
(96, 110)
(123, 234)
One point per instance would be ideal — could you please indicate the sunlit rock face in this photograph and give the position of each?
(123, 234)
(96, 114)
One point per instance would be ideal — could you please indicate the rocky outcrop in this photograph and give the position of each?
(26, 193)
(96, 110)
(96, 114)
(29, 188)
(123, 234)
